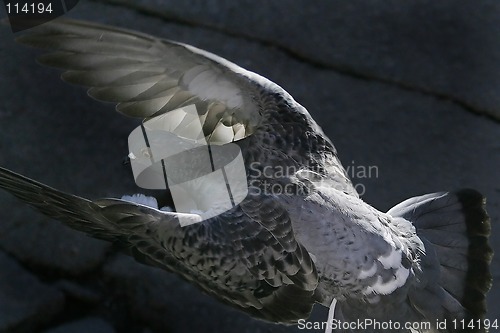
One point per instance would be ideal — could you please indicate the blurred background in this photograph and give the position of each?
(409, 89)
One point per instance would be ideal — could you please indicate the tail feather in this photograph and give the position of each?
(478, 279)
(455, 229)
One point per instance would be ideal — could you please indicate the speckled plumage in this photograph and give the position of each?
(277, 253)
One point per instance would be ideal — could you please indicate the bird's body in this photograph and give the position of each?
(349, 237)
(302, 235)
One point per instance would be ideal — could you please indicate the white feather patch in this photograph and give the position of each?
(145, 200)
(368, 272)
(388, 287)
(141, 199)
(390, 261)
(393, 260)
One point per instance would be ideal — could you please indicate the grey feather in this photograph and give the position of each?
(275, 254)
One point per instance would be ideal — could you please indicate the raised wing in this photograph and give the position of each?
(247, 257)
(147, 76)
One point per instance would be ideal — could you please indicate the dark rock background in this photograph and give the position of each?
(412, 88)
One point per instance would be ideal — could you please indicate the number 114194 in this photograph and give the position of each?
(28, 8)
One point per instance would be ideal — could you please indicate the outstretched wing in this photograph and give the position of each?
(247, 257)
(147, 76)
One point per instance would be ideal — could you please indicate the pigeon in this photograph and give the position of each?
(301, 235)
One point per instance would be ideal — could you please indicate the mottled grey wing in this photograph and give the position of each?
(247, 257)
(147, 76)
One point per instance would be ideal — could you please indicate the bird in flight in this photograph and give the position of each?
(301, 235)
